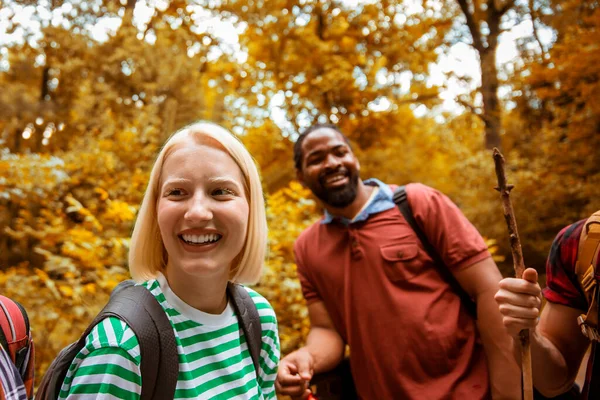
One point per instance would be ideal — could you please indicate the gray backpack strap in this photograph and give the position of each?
(249, 320)
(138, 308)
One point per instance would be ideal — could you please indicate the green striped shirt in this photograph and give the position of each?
(214, 360)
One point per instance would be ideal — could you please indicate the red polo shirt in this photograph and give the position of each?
(409, 336)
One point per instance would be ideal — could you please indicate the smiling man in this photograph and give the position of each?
(370, 283)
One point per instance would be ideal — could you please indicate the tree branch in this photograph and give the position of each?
(472, 108)
(533, 15)
(419, 99)
(504, 9)
(472, 25)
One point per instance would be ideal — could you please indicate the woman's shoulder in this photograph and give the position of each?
(259, 300)
(265, 310)
(113, 333)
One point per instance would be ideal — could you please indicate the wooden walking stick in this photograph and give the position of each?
(519, 265)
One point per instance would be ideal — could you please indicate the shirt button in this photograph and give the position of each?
(400, 254)
(354, 243)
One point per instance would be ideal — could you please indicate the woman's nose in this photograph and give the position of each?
(198, 210)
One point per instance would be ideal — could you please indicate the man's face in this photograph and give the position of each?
(329, 168)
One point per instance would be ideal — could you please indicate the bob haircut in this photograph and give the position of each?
(147, 253)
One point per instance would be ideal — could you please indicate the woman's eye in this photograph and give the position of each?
(174, 192)
(223, 192)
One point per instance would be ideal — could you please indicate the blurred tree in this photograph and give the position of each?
(483, 20)
(554, 127)
(359, 67)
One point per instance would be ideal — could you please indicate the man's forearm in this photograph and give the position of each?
(326, 347)
(505, 375)
(551, 375)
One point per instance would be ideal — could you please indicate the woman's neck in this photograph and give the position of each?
(207, 295)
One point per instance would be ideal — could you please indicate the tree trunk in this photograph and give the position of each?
(491, 104)
(486, 45)
(42, 106)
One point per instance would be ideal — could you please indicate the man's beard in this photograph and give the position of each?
(338, 197)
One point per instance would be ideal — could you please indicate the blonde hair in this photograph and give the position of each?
(147, 253)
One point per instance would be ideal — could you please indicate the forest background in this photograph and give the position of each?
(82, 118)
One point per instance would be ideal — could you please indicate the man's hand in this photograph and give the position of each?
(519, 302)
(294, 374)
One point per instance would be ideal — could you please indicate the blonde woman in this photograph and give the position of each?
(201, 224)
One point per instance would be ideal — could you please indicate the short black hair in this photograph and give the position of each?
(305, 133)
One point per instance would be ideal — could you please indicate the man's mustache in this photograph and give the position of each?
(339, 170)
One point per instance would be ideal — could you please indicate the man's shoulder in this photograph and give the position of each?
(566, 245)
(571, 232)
(310, 232)
(415, 189)
(569, 235)
(421, 196)
(420, 189)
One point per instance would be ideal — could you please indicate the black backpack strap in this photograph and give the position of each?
(249, 320)
(138, 308)
(401, 200)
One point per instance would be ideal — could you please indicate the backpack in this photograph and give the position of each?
(585, 268)
(137, 307)
(15, 339)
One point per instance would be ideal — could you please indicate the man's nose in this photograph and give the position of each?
(332, 162)
(199, 209)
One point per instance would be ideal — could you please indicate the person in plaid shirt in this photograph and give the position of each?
(11, 383)
(557, 344)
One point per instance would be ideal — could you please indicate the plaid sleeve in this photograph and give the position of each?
(562, 286)
(11, 384)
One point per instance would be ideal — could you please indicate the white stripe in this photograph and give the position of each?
(110, 332)
(93, 338)
(269, 341)
(207, 344)
(230, 385)
(10, 323)
(108, 378)
(215, 358)
(269, 377)
(127, 335)
(203, 330)
(94, 396)
(113, 359)
(191, 384)
(270, 390)
(268, 362)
